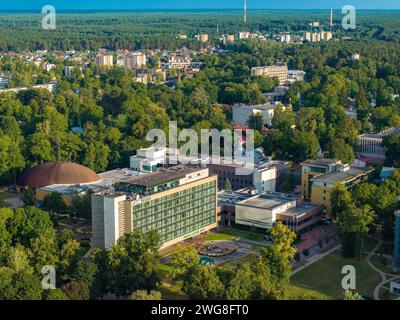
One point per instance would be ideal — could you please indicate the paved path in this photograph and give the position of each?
(315, 259)
(386, 277)
(255, 242)
(15, 202)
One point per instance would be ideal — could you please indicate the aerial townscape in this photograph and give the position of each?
(297, 179)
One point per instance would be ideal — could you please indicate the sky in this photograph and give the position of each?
(194, 4)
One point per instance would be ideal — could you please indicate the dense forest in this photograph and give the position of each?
(150, 30)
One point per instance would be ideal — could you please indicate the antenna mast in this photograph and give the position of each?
(245, 11)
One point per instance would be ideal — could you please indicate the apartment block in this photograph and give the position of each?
(279, 71)
(105, 60)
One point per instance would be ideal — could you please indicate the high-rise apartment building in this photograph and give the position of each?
(105, 60)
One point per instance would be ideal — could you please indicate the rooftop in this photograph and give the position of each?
(227, 198)
(342, 176)
(382, 134)
(269, 201)
(320, 162)
(161, 176)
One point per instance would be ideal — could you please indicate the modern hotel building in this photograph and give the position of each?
(179, 202)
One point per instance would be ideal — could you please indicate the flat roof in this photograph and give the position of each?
(320, 162)
(117, 175)
(161, 176)
(228, 198)
(262, 107)
(382, 134)
(301, 209)
(269, 201)
(342, 176)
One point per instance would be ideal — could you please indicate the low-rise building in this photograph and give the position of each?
(319, 177)
(263, 211)
(370, 145)
(242, 112)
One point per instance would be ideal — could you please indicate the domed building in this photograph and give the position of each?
(57, 172)
(67, 178)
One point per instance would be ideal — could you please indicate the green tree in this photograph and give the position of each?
(349, 295)
(54, 203)
(227, 185)
(341, 199)
(144, 295)
(241, 284)
(340, 150)
(353, 223)
(203, 283)
(28, 197)
(283, 239)
(133, 263)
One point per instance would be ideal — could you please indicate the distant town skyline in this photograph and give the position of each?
(203, 4)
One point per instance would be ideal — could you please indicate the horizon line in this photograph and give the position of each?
(188, 10)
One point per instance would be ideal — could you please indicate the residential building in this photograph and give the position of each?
(245, 210)
(241, 113)
(244, 35)
(319, 177)
(279, 71)
(370, 145)
(179, 202)
(104, 60)
(176, 61)
(203, 38)
(135, 60)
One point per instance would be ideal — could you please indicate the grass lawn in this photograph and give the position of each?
(380, 264)
(171, 292)
(323, 279)
(4, 196)
(369, 244)
(165, 270)
(67, 221)
(231, 234)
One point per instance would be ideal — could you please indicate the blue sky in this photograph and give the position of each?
(197, 4)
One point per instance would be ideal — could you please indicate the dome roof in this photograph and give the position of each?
(57, 173)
